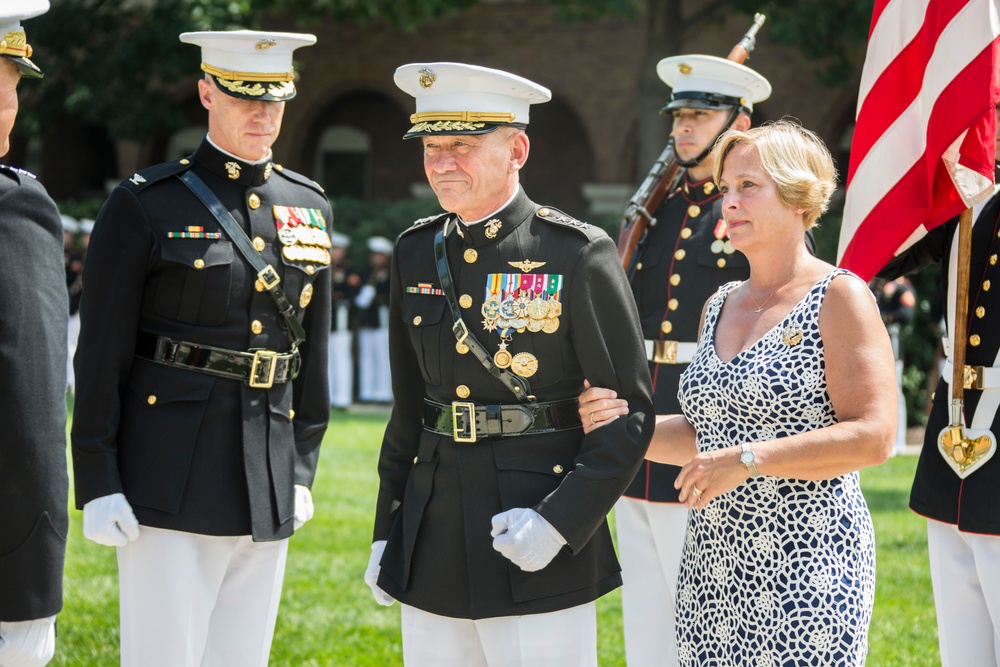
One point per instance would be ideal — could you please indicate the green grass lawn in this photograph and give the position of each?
(328, 616)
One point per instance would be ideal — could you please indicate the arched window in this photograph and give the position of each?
(342, 161)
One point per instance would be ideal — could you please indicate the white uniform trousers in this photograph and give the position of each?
(27, 643)
(72, 335)
(964, 570)
(650, 542)
(565, 638)
(341, 367)
(191, 600)
(374, 376)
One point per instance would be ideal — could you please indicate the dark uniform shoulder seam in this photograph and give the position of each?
(424, 222)
(300, 179)
(143, 178)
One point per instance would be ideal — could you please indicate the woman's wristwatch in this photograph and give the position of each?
(748, 458)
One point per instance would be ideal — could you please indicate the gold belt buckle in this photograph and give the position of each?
(468, 410)
(972, 377)
(269, 277)
(272, 362)
(664, 351)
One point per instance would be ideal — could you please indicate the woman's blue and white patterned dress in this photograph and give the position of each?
(777, 572)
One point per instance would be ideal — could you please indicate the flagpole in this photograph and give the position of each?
(961, 325)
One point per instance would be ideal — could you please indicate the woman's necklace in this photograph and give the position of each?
(760, 306)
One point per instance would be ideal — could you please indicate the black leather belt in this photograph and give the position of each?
(258, 368)
(468, 422)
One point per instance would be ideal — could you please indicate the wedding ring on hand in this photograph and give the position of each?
(592, 422)
(697, 491)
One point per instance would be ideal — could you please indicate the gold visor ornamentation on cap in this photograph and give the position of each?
(446, 126)
(427, 78)
(464, 116)
(232, 75)
(256, 90)
(264, 44)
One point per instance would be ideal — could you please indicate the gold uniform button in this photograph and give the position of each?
(415, 460)
(199, 263)
(185, 161)
(151, 399)
(993, 260)
(258, 244)
(680, 254)
(291, 413)
(675, 279)
(279, 167)
(465, 301)
(470, 255)
(310, 269)
(721, 263)
(708, 187)
(557, 469)
(258, 285)
(461, 348)
(543, 212)
(638, 266)
(980, 312)
(986, 286)
(256, 326)
(462, 391)
(254, 201)
(686, 233)
(417, 320)
(974, 340)
(666, 327)
(672, 304)
(694, 211)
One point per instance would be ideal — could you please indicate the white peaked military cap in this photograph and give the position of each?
(708, 82)
(454, 98)
(338, 240)
(250, 64)
(86, 225)
(13, 41)
(380, 244)
(69, 223)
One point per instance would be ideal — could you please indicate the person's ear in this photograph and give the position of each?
(206, 93)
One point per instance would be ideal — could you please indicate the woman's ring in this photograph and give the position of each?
(697, 491)
(592, 422)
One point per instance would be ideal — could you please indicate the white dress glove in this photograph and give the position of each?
(371, 574)
(304, 509)
(525, 538)
(108, 520)
(365, 297)
(27, 643)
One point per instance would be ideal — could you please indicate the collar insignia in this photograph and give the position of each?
(492, 227)
(233, 169)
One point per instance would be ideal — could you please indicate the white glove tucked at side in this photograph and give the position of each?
(27, 643)
(371, 574)
(525, 538)
(304, 509)
(109, 520)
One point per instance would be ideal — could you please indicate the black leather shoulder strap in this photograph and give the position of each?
(265, 272)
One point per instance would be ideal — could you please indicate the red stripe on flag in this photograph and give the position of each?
(942, 82)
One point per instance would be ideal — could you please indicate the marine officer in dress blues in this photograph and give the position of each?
(490, 523)
(346, 282)
(202, 391)
(33, 316)
(686, 256)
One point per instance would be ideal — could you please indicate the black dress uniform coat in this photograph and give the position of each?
(678, 269)
(938, 493)
(194, 452)
(33, 480)
(437, 496)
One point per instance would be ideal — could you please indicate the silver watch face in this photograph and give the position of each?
(747, 456)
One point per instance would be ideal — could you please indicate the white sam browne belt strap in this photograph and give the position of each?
(670, 351)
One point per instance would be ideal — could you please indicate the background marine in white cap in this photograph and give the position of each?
(202, 370)
(33, 319)
(490, 524)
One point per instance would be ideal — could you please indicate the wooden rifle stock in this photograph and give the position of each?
(663, 177)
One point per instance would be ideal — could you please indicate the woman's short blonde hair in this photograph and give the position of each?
(795, 158)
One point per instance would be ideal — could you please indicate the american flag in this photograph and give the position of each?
(923, 146)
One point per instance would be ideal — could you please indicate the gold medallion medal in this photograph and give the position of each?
(717, 246)
(534, 325)
(524, 364)
(728, 248)
(538, 309)
(502, 357)
(551, 325)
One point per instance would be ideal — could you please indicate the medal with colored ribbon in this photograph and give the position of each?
(517, 302)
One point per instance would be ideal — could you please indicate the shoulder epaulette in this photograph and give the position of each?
(17, 172)
(424, 222)
(141, 180)
(556, 216)
(300, 179)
